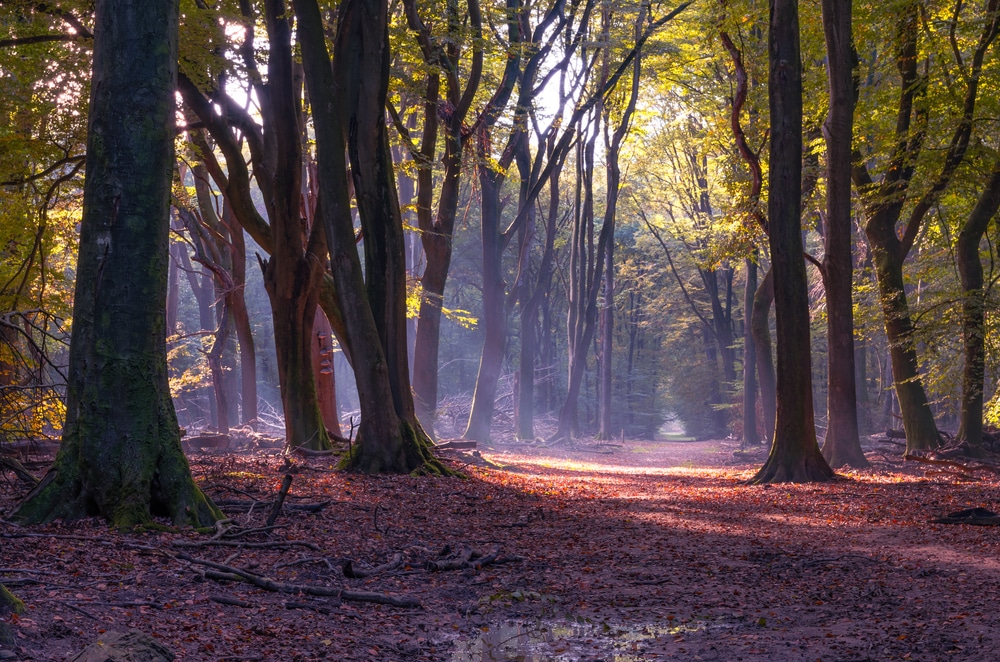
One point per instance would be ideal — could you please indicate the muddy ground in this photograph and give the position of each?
(629, 551)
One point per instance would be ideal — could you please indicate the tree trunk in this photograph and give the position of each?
(121, 455)
(293, 272)
(795, 455)
(241, 320)
(842, 445)
(750, 435)
(760, 329)
(970, 271)
(389, 437)
(326, 384)
(494, 318)
(436, 235)
(918, 419)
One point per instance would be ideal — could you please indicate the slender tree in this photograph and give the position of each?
(842, 445)
(970, 271)
(795, 455)
(121, 456)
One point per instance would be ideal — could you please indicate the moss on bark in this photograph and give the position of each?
(9, 603)
(411, 453)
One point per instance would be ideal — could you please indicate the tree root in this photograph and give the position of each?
(230, 573)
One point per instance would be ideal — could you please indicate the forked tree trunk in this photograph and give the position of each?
(795, 455)
(389, 439)
(121, 455)
(292, 275)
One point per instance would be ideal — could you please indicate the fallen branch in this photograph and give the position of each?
(975, 516)
(358, 573)
(274, 544)
(19, 470)
(286, 483)
(226, 600)
(268, 584)
(467, 558)
(322, 608)
(951, 463)
(242, 503)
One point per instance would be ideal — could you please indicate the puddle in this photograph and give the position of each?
(571, 641)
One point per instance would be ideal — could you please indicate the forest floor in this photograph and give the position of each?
(641, 550)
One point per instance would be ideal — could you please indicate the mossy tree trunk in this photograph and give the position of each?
(795, 455)
(9, 603)
(121, 456)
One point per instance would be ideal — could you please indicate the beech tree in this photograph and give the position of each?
(372, 300)
(891, 233)
(842, 445)
(121, 456)
(795, 455)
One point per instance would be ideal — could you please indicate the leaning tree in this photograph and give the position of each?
(121, 455)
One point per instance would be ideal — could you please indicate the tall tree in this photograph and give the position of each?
(121, 456)
(294, 275)
(795, 455)
(970, 271)
(612, 147)
(885, 198)
(442, 56)
(372, 302)
(842, 445)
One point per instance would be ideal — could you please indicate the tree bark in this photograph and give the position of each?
(121, 456)
(293, 272)
(389, 438)
(842, 445)
(750, 435)
(970, 271)
(795, 455)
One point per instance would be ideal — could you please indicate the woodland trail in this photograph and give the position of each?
(634, 551)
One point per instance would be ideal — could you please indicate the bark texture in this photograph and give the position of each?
(795, 455)
(121, 456)
(842, 445)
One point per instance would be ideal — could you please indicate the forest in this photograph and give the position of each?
(534, 329)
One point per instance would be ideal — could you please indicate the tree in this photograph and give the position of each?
(121, 456)
(294, 275)
(842, 445)
(795, 455)
(373, 303)
(970, 270)
(442, 56)
(886, 197)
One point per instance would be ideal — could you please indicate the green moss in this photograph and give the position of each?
(9, 603)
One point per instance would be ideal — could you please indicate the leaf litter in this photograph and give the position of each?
(641, 551)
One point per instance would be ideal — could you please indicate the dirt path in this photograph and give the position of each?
(644, 551)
